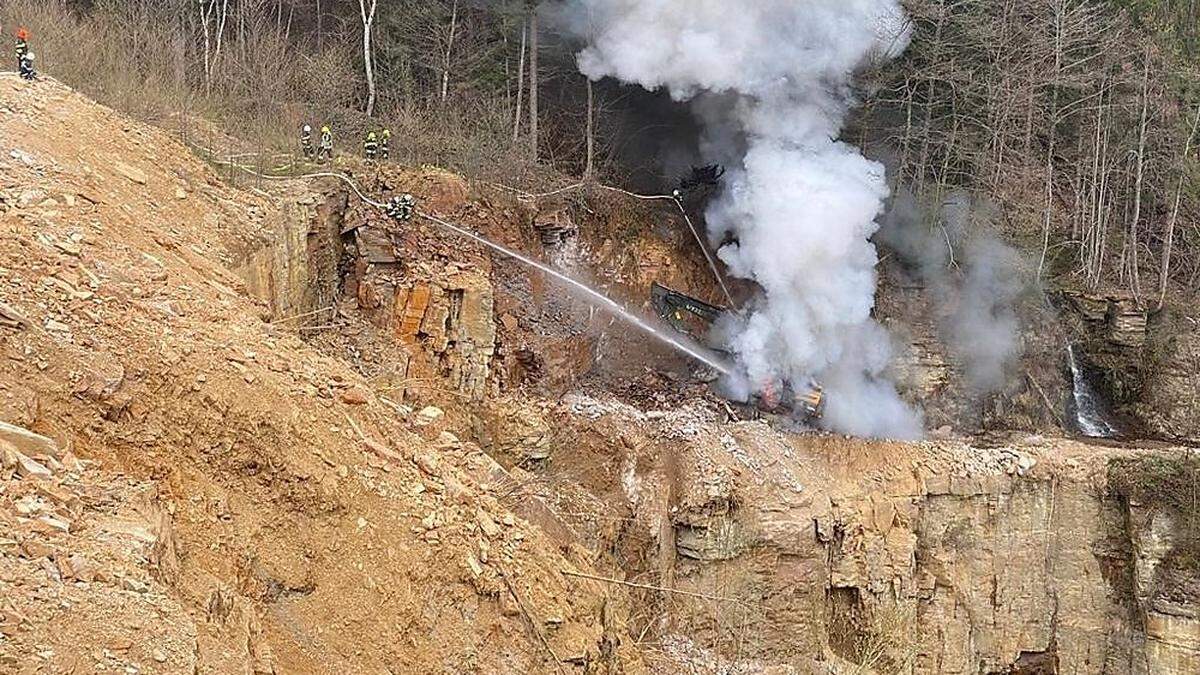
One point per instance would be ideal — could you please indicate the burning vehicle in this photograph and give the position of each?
(694, 317)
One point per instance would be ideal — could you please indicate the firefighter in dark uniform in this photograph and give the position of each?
(22, 45)
(384, 139)
(26, 66)
(371, 146)
(306, 145)
(401, 207)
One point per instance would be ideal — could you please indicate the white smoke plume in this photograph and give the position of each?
(975, 281)
(771, 82)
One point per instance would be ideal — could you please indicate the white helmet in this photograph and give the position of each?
(28, 56)
(307, 128)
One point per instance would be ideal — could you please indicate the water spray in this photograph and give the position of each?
(402, 208)
(609, 304)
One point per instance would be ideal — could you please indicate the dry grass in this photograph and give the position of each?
(146, 59)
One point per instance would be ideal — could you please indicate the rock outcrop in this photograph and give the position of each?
(450, 330)
(1149, 363)
(295, 269)
(942, 556)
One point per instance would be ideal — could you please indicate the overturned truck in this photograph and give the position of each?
(694, 318)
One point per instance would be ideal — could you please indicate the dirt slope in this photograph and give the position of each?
(246, 504)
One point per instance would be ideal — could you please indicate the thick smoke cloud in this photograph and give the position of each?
(770, 81)
(974, 278)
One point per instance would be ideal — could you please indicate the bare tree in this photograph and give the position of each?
(367, 13)
(1134, 277)
(1165, 273)
(1048, 218)
(590, 164)
(533, 82)
(453, 31)
(213, 15)
(520, 83)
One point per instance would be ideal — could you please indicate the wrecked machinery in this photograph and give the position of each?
(694, 317)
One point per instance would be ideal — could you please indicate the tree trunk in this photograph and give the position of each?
(1091, 226)
(1052, 132)
(927, 129)
(906, 142)
(205, 16)
(449, 52)
(241, 31)
(221, 28)
(1134, 279)
(368, 19)
(520, 83)
(1165, 273)
(533, 84)
(590, 168)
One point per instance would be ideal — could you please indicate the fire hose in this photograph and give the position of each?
(403, 208)
(674, 198)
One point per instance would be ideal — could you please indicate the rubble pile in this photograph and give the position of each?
(79, 542)
(244, 502)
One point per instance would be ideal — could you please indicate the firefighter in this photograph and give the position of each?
(384, 152)
(401, 207)
(371, 146)
(306, 145)
(326, 151)
(25, 68)
(22, 45)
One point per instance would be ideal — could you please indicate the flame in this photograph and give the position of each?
(768, 395)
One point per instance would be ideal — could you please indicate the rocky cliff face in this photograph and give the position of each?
(1171, 400)
(942, 557)
(295, 270)
(754, 545)
(1149, 362)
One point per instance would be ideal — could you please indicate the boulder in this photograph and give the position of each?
(27, 442)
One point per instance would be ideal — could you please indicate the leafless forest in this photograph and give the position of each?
(1077, 119)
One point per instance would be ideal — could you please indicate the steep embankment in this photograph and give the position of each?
(244, 503)
(752, 544)
(241, 485)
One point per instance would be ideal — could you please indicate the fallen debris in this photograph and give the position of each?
(11, 318)
(26, 441)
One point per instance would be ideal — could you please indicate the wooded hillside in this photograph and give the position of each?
(1077, 119)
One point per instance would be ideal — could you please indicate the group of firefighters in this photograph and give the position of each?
(376, 145)
(24, 56)
(400, 207)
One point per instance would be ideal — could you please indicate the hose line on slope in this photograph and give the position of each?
(613, 306)
(320, 174)
(712, 264)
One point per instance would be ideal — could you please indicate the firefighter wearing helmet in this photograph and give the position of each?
(326, 151)
(371, 146)
(26, 66)
(306, 145)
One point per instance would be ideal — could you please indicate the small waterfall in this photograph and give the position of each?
(1089, 409)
